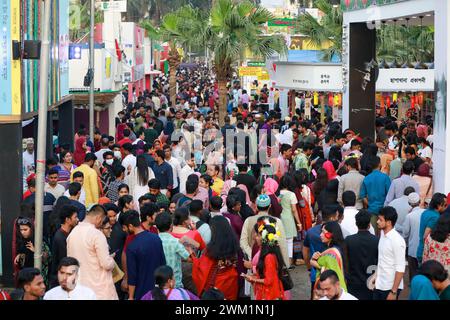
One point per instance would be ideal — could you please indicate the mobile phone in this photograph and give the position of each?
(245, 256)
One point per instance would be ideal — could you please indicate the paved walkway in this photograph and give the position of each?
(302, 287)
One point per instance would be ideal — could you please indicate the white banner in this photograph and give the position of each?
(116, 6)
(399, 79)
(308, 77)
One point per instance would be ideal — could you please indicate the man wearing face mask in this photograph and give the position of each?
(117, 153)
(69, 288)
(88, 245)
(104, 146)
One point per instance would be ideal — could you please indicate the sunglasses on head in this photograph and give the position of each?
(22, 221)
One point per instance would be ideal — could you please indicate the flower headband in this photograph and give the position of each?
(352, 155)
(269, 232)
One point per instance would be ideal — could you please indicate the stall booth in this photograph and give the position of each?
(403, 91)
(322, 82)
(359, 47)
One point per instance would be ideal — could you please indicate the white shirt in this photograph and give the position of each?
(426, 152)
(82, 198)
(137, 140)
(28, 161)
(344, 296)
(176, 169)
(430, 139)
(411, 230)
(286, 137)
(129, 160)
(391, 259)
(57, 191)
(79, 293)
(99, 154)
(157, 101)
(348, 224)
(298, 102)
(402, 207)
(184, 174)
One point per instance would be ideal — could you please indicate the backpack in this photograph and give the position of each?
(206, 216)
(185, 203)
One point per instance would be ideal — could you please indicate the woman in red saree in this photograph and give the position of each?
(268, 262)
(216, 268)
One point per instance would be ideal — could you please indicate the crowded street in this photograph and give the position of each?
(225, 150)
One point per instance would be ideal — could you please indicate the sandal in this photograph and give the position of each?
(299, 262)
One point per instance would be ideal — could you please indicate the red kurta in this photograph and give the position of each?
(225, 280)
(272, 289)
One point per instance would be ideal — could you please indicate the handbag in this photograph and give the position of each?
(286, 279)
(297, 242)
(117, 273)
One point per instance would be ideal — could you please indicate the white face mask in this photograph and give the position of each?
(117, 155)
(109, 161)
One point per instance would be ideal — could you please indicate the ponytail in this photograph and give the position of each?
(158, 293)
(162, 275)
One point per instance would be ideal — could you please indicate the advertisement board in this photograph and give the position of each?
(250, 71)
(313, 77)
(398, 79)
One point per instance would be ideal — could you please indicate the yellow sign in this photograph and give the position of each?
(264, 76)
(108, 67)
(16, 107)
(250, 71)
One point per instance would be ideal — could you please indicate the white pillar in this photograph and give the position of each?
(441, 143)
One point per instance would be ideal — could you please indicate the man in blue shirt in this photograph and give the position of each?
(163, 172)
(374, 190)
(144, 254)
(429, 219)
(313, 243)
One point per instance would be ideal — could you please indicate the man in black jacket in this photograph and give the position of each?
(244, 178)
(68, 215)
(362, 253)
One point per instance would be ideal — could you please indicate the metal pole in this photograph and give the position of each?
(91, 66)
(42, 132)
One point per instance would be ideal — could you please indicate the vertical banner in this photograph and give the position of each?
(5, 58)
(284, 103)
(15, 64)
(362, 80)
(10, 90)
(63, 47)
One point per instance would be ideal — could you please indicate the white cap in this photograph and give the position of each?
(413, 198)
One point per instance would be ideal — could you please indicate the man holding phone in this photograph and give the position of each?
(301, 160)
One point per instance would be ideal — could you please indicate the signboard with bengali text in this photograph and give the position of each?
(313, 77)
(250, 71)
(405, 80)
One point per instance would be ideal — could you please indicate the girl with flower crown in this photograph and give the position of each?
(267, 262)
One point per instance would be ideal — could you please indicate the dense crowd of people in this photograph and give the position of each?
(176, 207)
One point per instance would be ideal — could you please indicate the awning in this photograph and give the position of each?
(100, 98)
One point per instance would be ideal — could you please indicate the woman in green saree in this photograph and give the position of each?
(331, 258)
